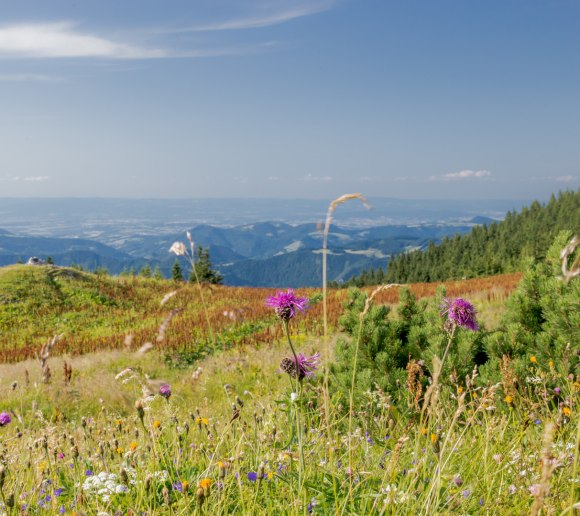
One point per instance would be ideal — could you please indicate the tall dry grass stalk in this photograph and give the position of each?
(44, 356)
(197, 280)
(565, 254)
(179, 249)
(368, 304)
(331, 208)
(548, 467)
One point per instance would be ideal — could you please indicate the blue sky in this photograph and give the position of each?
(309, 99)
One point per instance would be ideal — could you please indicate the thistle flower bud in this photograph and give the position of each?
(165, 493)
(200, 493)
(435, 442)
(140, 410)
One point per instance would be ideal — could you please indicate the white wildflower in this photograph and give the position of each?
(178, 248)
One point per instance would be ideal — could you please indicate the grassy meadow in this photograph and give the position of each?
(100, 433)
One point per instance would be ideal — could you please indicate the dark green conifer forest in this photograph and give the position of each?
(497, 248)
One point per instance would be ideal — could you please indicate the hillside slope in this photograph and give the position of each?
(98, 312)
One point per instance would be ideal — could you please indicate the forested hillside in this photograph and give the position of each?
(492, 249)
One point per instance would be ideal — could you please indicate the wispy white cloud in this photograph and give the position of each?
(565, 179)
(310, 177)
(36, 179)
(462, 175)
(64, 40)
(29, 77)
(25, 178)
(265, 20)
(54, 40)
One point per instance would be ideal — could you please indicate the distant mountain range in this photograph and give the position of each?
(273, 254)
(260, 242)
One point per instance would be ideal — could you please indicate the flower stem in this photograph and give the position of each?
(296, 409)
(448, 345)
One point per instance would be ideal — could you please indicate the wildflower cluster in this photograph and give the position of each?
(104, 484)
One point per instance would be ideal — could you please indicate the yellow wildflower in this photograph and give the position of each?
(133, 445)
(566, 411)
(119, 450)
(434, 438)
(184, 485)
(551, 364)
(424, 431)
(508, 399)
(459, 390)
(205, 483)
(202, 421)
(156, 423)
(533, 359)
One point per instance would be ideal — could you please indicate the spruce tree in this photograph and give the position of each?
(203, 270)
(145, 271)
(177, 272)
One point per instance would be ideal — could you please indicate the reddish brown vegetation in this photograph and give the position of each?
(229, 309)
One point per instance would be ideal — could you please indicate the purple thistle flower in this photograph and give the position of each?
(252, 476)
(178, 486)
(89, 473)
(165, 390)
(460, 313)
(286, 304)
(5, 418)
(301, 367)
